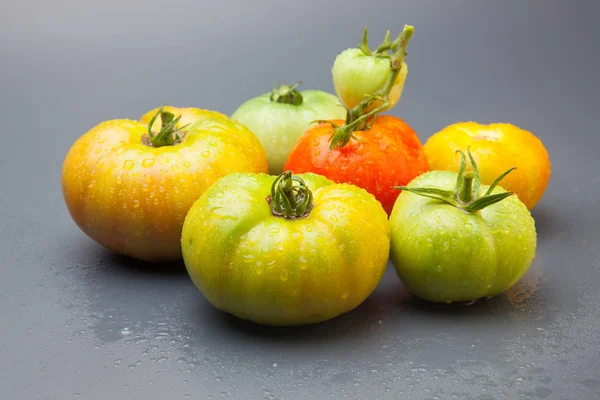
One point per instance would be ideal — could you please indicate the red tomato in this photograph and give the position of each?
(388, 154)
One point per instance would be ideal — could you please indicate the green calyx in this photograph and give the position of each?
(465, 196)
(169, 132)
(287, 94)
(290, 197)
(356, 118)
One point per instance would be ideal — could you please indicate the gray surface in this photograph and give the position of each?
(76, 321)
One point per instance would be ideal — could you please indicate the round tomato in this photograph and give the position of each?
(279, 118)
(462, 241)
(129, 187)
(495, 147)
(377, 159)
(285, 250)
(359, 72)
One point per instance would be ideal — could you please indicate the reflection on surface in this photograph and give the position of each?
(526, 296)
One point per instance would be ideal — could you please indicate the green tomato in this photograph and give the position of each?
(459, 252)
(270, 250)
(279, 118)
(357, 75)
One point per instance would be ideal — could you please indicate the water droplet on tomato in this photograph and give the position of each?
(205, 154)
(127, 165)
(248, 258)
(164, 160)
(136, 203)
(284, 276)
(148, 162)
(174, 167)
(344, 295)
(273, 231)
(187, 164)
(224, 213)
(120, 151)
(302, 259)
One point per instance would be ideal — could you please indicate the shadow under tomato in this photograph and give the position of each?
(167, 268)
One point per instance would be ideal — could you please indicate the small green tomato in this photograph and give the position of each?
(280, 117)
(461, 243)
(359, 72)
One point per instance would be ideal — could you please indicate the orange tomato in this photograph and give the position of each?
(132, 197)
(496, 148)
(386, 155)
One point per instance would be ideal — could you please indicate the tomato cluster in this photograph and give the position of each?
(286, 212)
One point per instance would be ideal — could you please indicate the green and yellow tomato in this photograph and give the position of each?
(128, 184)
(280, 117)
(286, 250)
(455, 240)
(360, 72)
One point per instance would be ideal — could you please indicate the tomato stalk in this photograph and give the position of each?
(356, 118)
(288, 200)
(287, 94)
(169, 132)
(466, 194)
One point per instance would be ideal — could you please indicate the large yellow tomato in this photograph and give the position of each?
(130, 187)
(495, 148)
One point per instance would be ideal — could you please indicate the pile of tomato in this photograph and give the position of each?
(287, 211)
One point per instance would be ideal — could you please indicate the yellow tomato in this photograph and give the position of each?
(129, 187)
(495, 148)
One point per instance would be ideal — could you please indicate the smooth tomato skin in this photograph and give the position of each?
(387, 155)
(495, 148)
(277, 271)
(132, 198)
(444, 254)
(356, 75)
(279, 126)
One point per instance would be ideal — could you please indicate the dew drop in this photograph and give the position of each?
(205, 154)
(148, 162)
(127, 165)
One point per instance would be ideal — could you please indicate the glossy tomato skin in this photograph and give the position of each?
(356, 75)
(444, 254)
(133, 198)
(279, 126)
(387, 155)
(277, 271)
(496, 148)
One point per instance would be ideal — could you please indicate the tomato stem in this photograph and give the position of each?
(466, 194)
(169, 132)
(356, 118)
(289, 200)
(287, 94)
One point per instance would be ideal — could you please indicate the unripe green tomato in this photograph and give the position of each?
(357, 75)
(279, 125)
(445, 254)
(262, 267)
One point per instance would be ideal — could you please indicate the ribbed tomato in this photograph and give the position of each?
(129, 184)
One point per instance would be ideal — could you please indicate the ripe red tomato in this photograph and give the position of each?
(388, 154)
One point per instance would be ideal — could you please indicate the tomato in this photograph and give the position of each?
(462, 241)
(359, 72)
(286, 250)
(386, 155)
(130, 191)
(495, 147)
(279, 118)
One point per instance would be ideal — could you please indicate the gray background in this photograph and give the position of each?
(79, 322)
